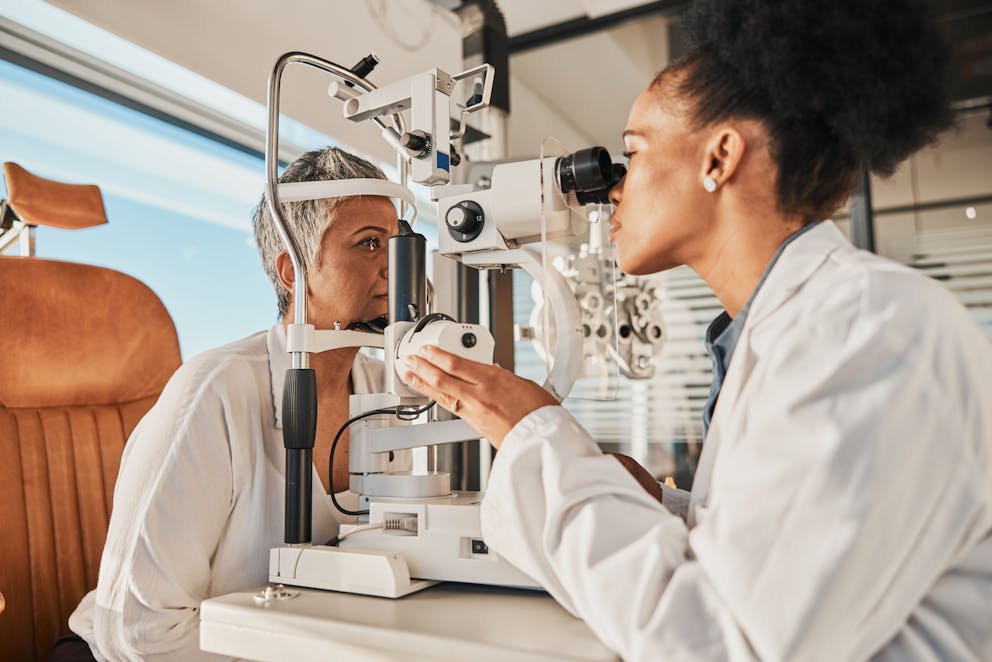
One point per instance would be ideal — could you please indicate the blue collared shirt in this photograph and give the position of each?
(723, 332)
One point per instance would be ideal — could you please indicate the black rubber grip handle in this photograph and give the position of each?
(299, 408)
(299, 428)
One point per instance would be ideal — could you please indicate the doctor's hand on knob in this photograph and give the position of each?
(489, 398)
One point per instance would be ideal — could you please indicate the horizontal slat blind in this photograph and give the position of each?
(961, 260)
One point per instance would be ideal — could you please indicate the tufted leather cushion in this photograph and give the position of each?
(84, 353)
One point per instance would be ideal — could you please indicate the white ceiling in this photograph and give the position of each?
(528, 15)
(578, 90)
(236, 43)
(592, 80)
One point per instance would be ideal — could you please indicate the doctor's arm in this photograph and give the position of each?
(800, 548)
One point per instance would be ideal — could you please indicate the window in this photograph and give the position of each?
(178, 204)
(179, 201)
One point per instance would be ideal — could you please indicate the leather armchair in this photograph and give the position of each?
(85, 351)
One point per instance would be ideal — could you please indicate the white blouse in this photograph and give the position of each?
(199, 501)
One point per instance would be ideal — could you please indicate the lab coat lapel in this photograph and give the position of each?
(798, 263)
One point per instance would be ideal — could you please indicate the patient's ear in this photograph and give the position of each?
(284, 268)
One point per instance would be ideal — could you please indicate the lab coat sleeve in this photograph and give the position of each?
(577, 522)
(811, 549)
(171, 504)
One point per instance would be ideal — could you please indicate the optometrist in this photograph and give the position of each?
(842, 507)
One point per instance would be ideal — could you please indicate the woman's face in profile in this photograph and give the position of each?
(348, 282)
(661, 206)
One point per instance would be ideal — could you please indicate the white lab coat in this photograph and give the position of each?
(842, 507)
(199, 501)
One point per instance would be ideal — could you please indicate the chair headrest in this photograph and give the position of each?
(39, 201)
(76, 334)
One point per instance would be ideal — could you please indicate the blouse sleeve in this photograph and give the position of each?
(172, 501)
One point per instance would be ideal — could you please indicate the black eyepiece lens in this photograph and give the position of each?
(585, 170)
(619, 172)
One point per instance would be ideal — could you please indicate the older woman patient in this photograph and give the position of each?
(199, 497)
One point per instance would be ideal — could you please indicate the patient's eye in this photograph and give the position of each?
(371, 244)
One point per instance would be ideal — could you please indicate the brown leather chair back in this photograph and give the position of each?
(84, 352)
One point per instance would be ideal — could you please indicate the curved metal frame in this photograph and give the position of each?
(568, 343)
(302, 359)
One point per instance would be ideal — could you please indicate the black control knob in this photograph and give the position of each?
(461, 219)
(413, 141)
(465, 220)
(363, 67)
(469, 340)
(416, 142)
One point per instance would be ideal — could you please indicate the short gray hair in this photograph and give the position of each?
(307, 219)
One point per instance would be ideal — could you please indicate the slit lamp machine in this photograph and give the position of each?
(412, 530)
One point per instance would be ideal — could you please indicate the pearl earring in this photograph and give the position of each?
(709, 184)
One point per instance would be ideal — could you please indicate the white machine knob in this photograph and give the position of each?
(470, 341)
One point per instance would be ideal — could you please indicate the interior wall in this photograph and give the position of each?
(236, 43)
(959, 166)
(594, 79)
(956, 168)
(532, 119)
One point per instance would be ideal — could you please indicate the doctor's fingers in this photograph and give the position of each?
(432, 381)
(467, 370)
(458, 397)
(492, 407)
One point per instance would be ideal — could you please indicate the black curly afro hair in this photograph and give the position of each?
(837, 83)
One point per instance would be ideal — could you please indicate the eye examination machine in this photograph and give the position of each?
(412, 530)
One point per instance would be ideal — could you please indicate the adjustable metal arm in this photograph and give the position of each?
(429, 94)
(300, 391)
(300, 359)
(384, 440)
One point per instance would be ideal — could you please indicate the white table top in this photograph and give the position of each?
(444, 622)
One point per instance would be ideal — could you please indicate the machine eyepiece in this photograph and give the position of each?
(601, 194)
(590, 174)
(585, 170)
